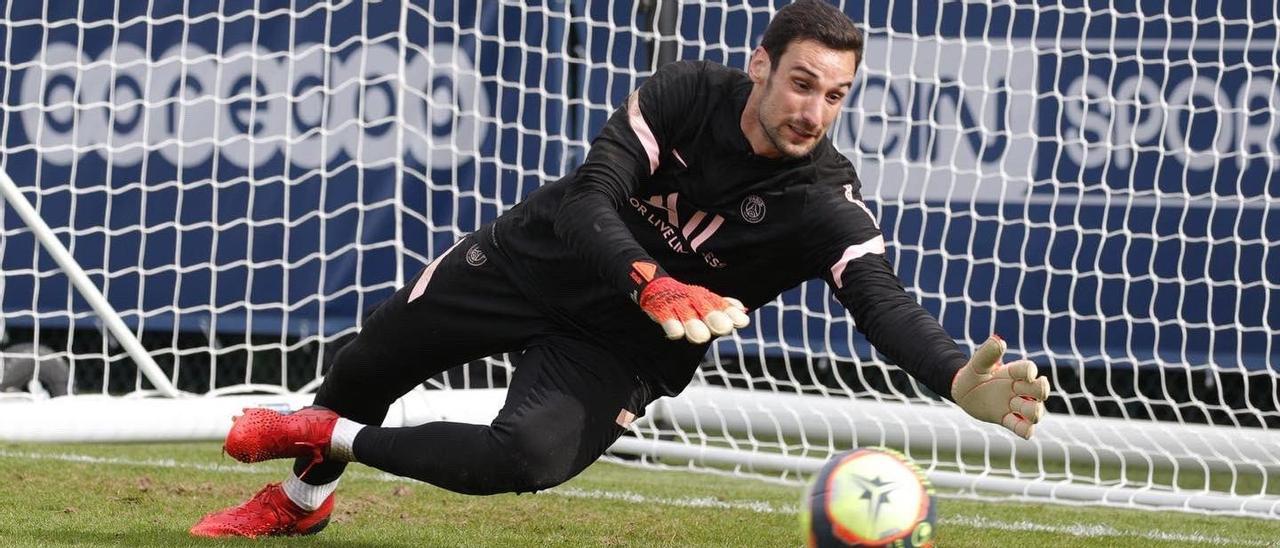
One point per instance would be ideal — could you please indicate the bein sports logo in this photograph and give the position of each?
(941, 119)
(249, 104)
(1217, 104)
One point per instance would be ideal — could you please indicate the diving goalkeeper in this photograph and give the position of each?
(708, 192)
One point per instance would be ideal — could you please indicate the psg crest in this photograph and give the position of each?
(475, 256)
(752, 209)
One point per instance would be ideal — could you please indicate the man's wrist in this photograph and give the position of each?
(955, 377)
(641, 274)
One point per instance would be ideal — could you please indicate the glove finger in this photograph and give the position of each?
(737, 312)
(1030, 409)
(673, 328)
(718, 322)
(1018, 425)
(686, 310)
(1036, 390)
(1021, 370)
(987, 356)
(678, 309)
(696, 332)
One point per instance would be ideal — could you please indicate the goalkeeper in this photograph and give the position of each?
(707, 193)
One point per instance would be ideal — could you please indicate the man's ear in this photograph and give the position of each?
(758, 68)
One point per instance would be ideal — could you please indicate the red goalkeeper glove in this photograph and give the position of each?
(689, 311)
(1009, 394)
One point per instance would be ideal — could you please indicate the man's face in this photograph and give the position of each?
(802, 94)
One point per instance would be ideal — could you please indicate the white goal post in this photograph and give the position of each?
(202, 204)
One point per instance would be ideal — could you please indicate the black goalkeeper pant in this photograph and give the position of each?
(565, 404)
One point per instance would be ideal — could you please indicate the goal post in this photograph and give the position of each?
(205, 199)
(84, 285)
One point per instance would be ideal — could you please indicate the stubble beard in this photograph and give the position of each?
(774, 133)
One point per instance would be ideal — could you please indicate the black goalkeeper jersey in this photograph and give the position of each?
(672, 179)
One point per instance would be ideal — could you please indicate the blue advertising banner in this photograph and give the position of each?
(1098, 186)
(263, 167)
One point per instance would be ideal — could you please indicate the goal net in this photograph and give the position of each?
(204, 199)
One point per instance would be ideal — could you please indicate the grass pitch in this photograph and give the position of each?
(150, 494)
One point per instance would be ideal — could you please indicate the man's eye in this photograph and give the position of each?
(800, 84)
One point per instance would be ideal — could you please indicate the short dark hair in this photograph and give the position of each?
(811, 20)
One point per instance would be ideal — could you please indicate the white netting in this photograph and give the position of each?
(1097, 185)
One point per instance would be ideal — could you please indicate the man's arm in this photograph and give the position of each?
(625, 154)
(1011, 395)
(588, 220)
(893, 321)
(622, 158)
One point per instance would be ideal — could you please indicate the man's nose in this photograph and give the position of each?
(812, 112)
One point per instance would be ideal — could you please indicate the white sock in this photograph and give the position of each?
(344, 435)
(307, 496)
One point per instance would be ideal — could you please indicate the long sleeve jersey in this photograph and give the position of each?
(671, 179)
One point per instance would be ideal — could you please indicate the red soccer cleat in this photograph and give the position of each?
(264, 434)
(269, 513)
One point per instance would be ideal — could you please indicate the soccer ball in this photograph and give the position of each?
(869, 497)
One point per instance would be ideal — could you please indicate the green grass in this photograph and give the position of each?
(150, 494)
